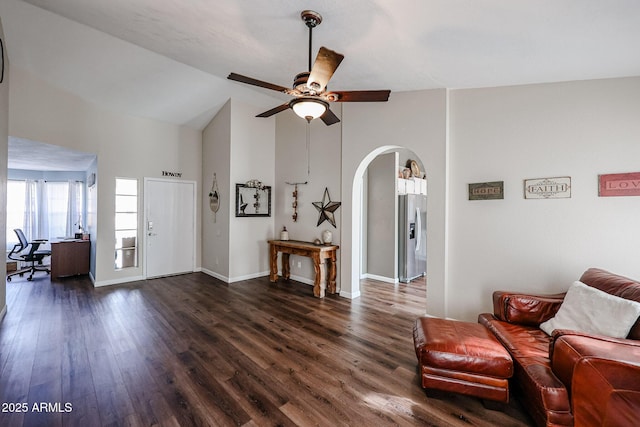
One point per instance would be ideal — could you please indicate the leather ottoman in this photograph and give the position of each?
(462, 357)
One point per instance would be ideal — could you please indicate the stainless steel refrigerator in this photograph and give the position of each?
(412, 234)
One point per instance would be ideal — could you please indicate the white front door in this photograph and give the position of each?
(170, 232)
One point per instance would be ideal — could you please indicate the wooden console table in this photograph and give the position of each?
(324, 262)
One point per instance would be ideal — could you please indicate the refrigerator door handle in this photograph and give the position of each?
(419, 227)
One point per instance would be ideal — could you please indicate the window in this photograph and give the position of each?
(49, 210)
(126, 223)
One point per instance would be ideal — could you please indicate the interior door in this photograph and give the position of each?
(169, 227)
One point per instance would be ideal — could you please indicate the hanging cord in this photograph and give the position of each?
(308, 137)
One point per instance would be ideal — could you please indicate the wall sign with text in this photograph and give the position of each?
(486, 190)
(172, 174)
(619, 184)
(548, 188)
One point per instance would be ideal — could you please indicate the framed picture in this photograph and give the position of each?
(253, 201)
(548, 188)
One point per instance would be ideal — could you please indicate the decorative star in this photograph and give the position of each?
(326, 208)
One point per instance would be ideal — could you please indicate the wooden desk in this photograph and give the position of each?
(70, 257)
(320, 255)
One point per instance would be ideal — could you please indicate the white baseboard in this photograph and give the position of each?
(350, 295)
(381, 278)
(248, 276)
(302, 279)
(253, 276)
(234, 279)
(218, 276)
(117, 281)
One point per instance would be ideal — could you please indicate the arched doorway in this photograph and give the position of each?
(360, 217)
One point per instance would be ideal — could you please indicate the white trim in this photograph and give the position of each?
(118, 281)
(3, 312)
(215, 275)
(301, 279)
(350, 295)
(252, 276)
(353, 260)
(248, 277)
(381, 278)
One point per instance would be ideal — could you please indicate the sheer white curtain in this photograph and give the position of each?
(55, 209)
(32, 202)
(52, 209)
(74, 208)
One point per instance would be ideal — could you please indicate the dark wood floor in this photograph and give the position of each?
(191, 350)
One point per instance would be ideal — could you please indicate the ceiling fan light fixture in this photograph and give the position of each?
(309, 108)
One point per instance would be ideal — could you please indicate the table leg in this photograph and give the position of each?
(273, 264)
(332, 273)
(319, 283)
(286, 268)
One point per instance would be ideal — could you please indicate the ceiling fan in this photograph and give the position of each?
(311, 96)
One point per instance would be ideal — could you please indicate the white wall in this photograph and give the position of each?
(237, 147)
(382, 218)
(126, 146)
(4, 143)
(216, 158)
(417, 121)
(322, 171)
(252, 156)
(577, 129)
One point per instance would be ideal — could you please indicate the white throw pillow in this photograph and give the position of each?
(590, 310)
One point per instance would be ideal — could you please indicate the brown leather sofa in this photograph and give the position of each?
(570, 378)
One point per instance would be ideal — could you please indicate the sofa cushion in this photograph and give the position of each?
(617, 285)
(587, 309)
(533, 380)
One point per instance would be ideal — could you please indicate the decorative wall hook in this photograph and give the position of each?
(214, 197)
(295, 199)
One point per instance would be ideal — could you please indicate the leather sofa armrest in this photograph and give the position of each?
(568, 348)
(605, 393)
(525, 309)
(558, 333)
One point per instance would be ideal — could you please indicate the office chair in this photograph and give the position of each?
(32, 256)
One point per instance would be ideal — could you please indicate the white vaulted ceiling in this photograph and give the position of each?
(168, 59)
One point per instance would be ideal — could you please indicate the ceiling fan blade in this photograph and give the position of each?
(329, 118)
(250, 81)
(273, 111)
(360, 96)
(326, 64)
